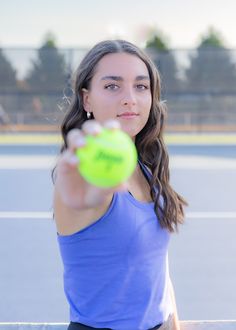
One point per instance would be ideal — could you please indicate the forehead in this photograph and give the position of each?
(121, 64)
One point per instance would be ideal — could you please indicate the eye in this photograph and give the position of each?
(111, 87)
(142, 87)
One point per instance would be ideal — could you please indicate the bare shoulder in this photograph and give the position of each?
(70, 221)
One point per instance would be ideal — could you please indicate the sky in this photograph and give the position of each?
(77, 23)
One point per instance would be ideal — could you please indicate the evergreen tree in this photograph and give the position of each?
(157, 42)
(164, 59)
(211, 69)
(48, 73)
(7, 74)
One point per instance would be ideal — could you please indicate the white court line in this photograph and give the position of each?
(26, 215)
(49, 215)
(211, 215)
(202, 163)
(8, 162)
(27, 162)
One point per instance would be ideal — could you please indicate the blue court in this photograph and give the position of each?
(202, 255)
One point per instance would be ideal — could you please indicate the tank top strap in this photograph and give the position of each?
(146, 172)
(148, 176)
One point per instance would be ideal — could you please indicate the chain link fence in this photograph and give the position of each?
(199, 86)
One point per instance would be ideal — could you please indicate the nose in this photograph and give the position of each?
(128, 98)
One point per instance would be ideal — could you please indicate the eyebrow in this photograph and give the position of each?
(119, 78)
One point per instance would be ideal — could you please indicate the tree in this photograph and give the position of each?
(157, 42)
(212, 39)
(164, 59)
(48, 73)
(211, 68)
(7, 74)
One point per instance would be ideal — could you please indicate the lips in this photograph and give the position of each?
(128, 114)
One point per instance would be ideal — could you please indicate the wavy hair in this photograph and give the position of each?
(168, 204)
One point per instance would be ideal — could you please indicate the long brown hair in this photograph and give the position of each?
(169, 205)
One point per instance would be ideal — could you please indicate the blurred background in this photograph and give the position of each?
(193, 44)
(41, 45)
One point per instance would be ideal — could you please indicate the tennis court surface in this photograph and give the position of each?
(202, 255)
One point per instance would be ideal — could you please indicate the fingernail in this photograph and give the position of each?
(112, 125)
(81, 141)
(95, 130)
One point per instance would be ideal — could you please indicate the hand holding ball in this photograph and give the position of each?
(107, 159)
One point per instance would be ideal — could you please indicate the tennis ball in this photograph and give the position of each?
(107, 159)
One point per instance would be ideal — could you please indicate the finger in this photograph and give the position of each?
(75, 139)
(68, 160)
(112, 124)
(91, 127)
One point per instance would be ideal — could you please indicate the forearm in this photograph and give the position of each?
(176, 324)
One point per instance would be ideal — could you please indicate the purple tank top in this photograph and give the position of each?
(116, 269)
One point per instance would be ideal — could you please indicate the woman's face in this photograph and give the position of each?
(120, 89)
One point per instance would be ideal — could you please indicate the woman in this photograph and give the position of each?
(114, 242)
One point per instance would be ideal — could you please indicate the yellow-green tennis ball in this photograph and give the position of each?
(107, 159)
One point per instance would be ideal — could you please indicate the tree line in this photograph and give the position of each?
(211, 68)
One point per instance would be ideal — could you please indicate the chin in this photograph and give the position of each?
(132, 128)
(132, 132)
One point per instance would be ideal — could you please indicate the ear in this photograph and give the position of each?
(85, 98)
